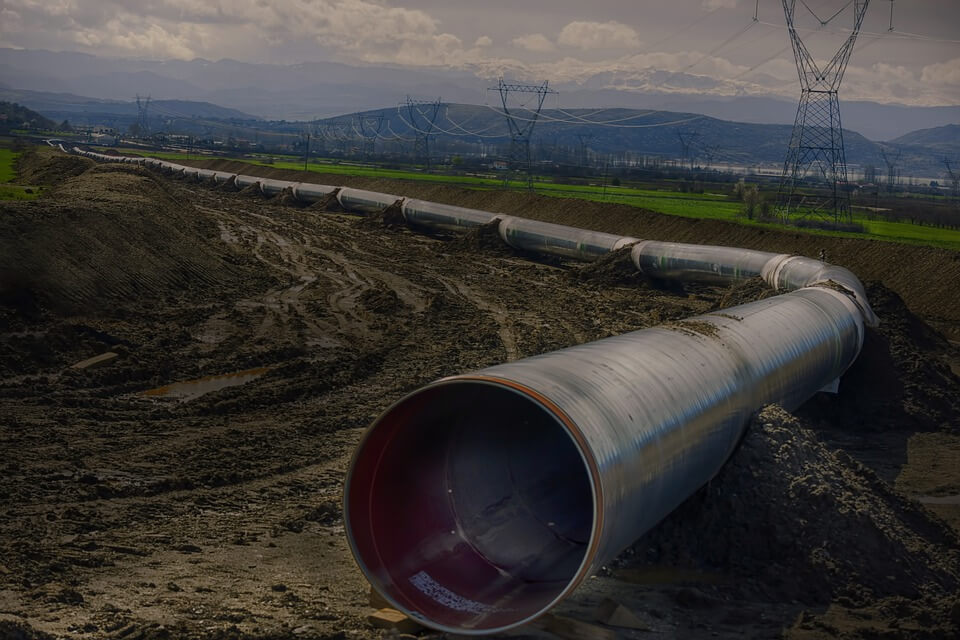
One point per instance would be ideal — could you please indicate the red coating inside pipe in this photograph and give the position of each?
(469, 506)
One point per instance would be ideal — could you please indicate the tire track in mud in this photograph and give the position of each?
(499, 314)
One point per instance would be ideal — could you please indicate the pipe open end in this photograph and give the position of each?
(471, 506)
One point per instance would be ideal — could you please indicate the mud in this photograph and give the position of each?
(130, 516)
(922, 276)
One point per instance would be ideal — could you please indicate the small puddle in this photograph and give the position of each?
(191, 389)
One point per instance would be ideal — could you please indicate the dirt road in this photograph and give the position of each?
(216, 513)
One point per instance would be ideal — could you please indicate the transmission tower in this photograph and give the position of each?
(336, 132)
(421, 115)
(816, 145)
(687, 140)
(521, 129)
(583, 139)
(954, 182)
(143, 122)
(370, 126)
(891, 162)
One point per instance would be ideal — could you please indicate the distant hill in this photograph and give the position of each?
(559, 134)
(309, 90)
(15, 116)
(84, 110)
(946, 138)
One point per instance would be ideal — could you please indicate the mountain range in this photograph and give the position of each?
(306, 91)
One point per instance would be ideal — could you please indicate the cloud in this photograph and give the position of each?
(712, 5)
(942, 73)
(379, 32)
(599, 35)
(536, 42)
(362, 29)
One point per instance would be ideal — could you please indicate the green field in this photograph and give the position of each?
(690, 205)
(7, 158)
(16, 192)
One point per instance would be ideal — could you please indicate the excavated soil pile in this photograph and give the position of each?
(390, 216)
(745, 291)
(134, 507)
(792, 520)
(483, 238)
(799, 521)
(108, 238)
(902, 380)
(615, 268)
(46, 166)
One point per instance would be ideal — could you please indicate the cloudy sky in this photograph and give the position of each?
(702, 45)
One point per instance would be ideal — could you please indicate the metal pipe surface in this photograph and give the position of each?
(422, 213)
(365, 201)
(309, 192)
(515, 483)
(558, 239)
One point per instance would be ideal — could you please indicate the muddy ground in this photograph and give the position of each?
(125, 514)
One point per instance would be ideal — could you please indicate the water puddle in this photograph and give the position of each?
(192, 389)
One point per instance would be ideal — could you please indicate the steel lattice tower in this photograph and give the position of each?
(143, 122)
(422, 115)
(370, 126)
(816, 145)
(891, 161)
(521, 129)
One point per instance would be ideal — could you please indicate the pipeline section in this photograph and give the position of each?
(478, 502)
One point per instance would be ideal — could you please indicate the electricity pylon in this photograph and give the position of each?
(891, 162)
(370, 126)
(584, 140)
(143, 122)
(422, 114)
(816, 145)
(521, 129)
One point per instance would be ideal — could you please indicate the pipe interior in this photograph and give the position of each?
(470, 505)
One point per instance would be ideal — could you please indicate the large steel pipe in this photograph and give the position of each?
(310, 192)
(708, 263)
(365, 201)
(479, 501)
(558, 239)
(423, 213)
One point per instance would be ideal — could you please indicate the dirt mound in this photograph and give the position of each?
(485, 238)
(902, 379)
(390, 216)
(743, 292)
(44, 165)
(615, 268)
(113, 236)
(797, 521)
(10, 630)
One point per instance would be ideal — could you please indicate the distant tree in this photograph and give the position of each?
(615, 182)
(14, 116)
(750, 195)
(65, 126)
